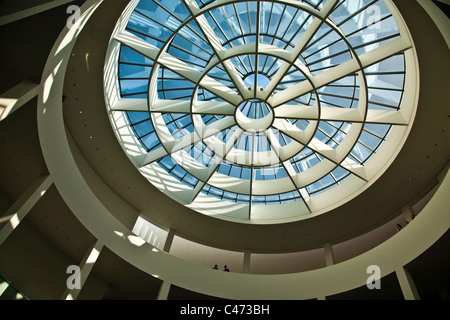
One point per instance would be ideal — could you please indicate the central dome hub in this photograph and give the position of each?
(254, 115)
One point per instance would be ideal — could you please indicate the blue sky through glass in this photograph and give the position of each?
(168, 25)
(254, 109)
(262, 80)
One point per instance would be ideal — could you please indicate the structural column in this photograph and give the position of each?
(329, 260)
(77, 275)
(165, 287)
(20, 208)
(247, 257)
(164, 291)
(407, 284)
(329, 256)
(169, 240)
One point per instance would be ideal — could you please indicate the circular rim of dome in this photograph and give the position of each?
(172, 153)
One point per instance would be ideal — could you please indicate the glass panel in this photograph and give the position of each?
(353, 27)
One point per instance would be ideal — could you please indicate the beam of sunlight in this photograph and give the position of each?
(137, 241)
(3, 286)
(14, 221)
(18, 296)
(69, 297)
(120, 234)
(77, 27)
(48, 83)
(93, 256)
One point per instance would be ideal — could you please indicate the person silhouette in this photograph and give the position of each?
(225, 268)
(216, 267)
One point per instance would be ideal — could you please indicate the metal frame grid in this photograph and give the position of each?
(227, 96)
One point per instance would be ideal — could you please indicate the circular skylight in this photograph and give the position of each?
(261, 111)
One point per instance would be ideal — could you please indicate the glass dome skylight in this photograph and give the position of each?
(261, 111)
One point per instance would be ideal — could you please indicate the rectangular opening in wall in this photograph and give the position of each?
(150, 233)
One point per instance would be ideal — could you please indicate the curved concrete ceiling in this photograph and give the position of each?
(412, 173)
